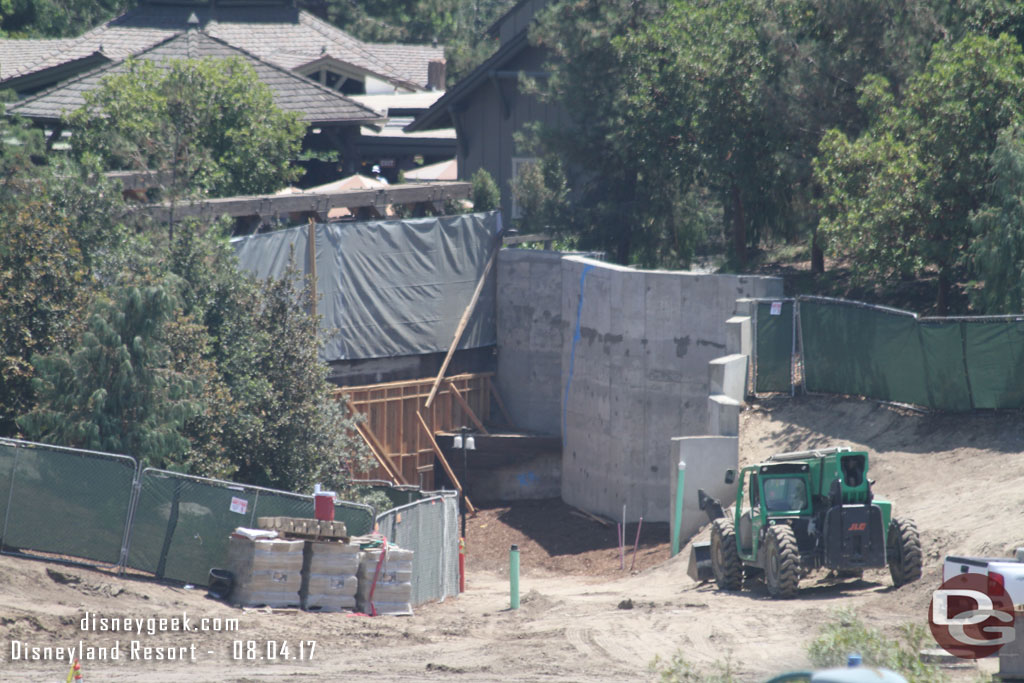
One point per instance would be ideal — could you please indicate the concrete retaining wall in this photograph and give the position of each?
(635, 360)
(707, 458)
(530, 337)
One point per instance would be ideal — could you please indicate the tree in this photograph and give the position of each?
(207, 127)
(486, 195)
(899, 198)
(997, 251)
(56, 18)
(43, 291)
(118, 390)
(268, 415)
(59, 226)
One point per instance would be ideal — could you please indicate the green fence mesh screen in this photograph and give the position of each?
(65, 501)
(854, 349)
(995, 362)
(181, 524)
(429, 528)
(943, 358)
(774, 368)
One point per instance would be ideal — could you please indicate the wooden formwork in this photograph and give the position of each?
(401, 431)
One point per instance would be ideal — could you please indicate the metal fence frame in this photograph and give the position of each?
(19, 445)
(134, 494)
(444, 553)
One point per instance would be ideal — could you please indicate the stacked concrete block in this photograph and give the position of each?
(723, 416)
(329, 576)
(267, 571)
(386, 583)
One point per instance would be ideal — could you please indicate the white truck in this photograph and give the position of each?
(1005, 571)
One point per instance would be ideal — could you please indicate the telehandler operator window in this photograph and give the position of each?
(785, 493)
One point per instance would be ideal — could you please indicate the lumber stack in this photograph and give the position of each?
(392, 591)
(268, 572)
(329, 576)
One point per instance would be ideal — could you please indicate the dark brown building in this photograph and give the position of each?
(487, 107)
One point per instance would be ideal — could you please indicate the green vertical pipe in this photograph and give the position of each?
(679, 508)
(513, 576)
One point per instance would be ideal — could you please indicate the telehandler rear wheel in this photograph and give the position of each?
(782, 565)
(725, 559)
(903, 552)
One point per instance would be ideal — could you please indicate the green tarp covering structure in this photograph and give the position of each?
(389, 288)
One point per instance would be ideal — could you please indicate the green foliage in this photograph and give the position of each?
(208, 127)
(678, 670)
(486, 196)
(118, 390)
(56, 18)
(43, 290)
(847, 634)
(997, 251)
(899, 197)
(542, 193)
(459, 25)
(269, 417)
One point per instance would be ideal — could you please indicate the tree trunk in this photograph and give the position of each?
(739, 228)
(942, 299)
(817, 254)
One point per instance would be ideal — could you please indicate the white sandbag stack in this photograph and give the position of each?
(393, 591)
(329, 581)
(267, 571)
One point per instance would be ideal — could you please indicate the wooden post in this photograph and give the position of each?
(462, 323)
(312, 264)
(444, 462)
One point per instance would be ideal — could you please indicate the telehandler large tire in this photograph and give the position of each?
(782, 562)
(903, 552)
(725, 559)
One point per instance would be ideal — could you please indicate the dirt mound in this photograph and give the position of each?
(581, 617)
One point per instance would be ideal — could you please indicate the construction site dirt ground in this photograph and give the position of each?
(581, 617)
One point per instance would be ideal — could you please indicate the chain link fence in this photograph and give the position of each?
(65, 501)
(952, 364)
(429, 528)
(106, 509)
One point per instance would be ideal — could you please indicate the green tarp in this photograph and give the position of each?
(182, 524)
(65, 502)
(851, 349)
(774, 368)
(995, 362)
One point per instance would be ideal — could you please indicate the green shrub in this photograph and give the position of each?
(847, 634)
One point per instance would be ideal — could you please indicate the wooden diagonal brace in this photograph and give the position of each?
(444, 462)
(465, 406)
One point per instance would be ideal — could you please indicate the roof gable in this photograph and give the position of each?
(264, 30)
(314, 103)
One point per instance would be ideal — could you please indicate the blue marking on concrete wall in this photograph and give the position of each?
(572, 354)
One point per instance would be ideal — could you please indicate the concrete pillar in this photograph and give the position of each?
(728, 376)
(707, 458)
(738, 335)
(723, 416)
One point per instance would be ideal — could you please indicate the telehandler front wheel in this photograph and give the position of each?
(903, 552)
(782, 562)
(725, 558)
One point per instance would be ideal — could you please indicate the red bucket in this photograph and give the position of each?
(323, 506)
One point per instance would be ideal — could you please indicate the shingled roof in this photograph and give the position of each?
(278, 34)
(314, 103)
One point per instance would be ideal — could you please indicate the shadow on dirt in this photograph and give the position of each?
(823, 421)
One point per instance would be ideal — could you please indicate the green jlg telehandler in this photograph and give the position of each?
(801, 511)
